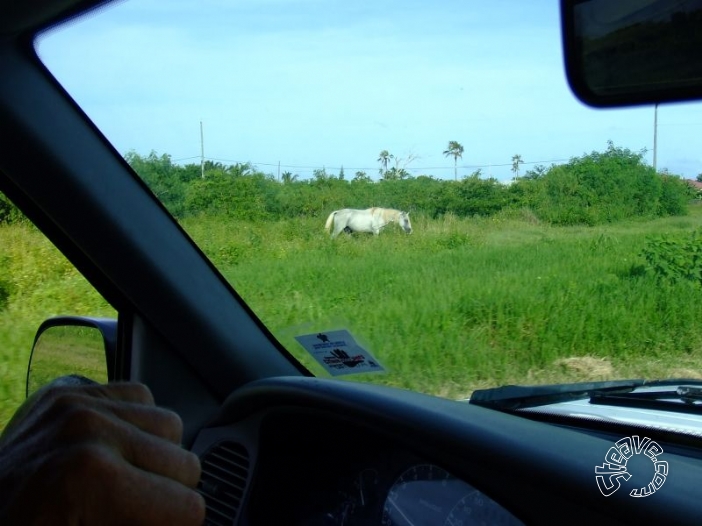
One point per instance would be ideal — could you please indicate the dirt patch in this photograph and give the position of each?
(686, 373)
(586, 367)
(572, 370)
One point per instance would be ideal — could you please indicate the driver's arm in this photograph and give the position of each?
(97, 454)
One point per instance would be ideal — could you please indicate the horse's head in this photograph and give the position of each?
(404, 222)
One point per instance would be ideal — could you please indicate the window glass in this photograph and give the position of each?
(549, 242)
(36, 283)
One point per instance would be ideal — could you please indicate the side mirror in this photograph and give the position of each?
(626, 52)
(75, 346)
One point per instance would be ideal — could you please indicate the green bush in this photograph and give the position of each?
(675, 196)
(227, 195)
(162, 177)
(9, 213)
(600, 188)
(597, 188)
(675, 258)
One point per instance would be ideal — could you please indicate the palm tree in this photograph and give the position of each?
(361, 176)
(455, 150)
(516, 161)
(384, 158)
(288, 177)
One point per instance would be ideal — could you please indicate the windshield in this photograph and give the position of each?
(542, 241)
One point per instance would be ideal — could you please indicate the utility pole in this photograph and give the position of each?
(202, 152)
(655, 135)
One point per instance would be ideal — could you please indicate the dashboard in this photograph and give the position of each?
(349, 476)
(307, 451)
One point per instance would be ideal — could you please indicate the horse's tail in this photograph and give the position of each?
(330, 220)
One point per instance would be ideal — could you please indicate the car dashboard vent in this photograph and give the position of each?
(225, 471)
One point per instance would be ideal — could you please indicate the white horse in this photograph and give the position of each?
(369, 220)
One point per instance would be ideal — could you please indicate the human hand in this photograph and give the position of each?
(97, 454)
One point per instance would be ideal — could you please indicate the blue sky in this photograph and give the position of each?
(325, 83)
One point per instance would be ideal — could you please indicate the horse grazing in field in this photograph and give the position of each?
(369, 220)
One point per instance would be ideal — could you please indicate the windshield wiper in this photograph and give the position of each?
(686, 397)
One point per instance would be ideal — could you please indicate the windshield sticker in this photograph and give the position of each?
(615, 466)
(339, 353)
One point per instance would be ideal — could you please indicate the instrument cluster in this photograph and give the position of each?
(340, 477)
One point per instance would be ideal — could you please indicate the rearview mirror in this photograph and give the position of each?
(626, 52)
(69, 346)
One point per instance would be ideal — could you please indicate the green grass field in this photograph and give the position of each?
(460, 304)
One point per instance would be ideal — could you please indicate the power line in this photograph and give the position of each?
(280, 165)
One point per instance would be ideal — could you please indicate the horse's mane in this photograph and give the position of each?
(388, 214)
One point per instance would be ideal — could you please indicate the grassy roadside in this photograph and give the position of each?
(41, 283)
(469, 303)
(458, 305)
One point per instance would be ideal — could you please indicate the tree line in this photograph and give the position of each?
(595, 188)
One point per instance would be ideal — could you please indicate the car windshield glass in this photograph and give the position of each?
(504, 233)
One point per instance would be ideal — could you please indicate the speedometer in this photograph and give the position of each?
(426, 494)
(477, 509)
(423, 494)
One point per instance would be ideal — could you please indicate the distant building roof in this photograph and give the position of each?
(696, 184)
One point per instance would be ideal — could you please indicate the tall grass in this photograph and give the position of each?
(39, 283)
(468, 303)
(460, 304)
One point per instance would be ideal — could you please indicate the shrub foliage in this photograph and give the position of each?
(596, 188)
(675, 258)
